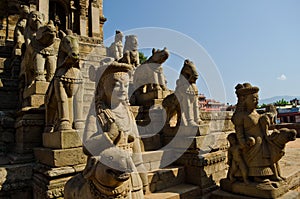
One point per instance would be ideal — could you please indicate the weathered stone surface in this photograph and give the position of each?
(13, 173)
(219, 125)
(164, 178)
(39, 87)
(220, 194)
(212, 141)
(152, 142)
(216, 115)
(261, 190)
(182, 191)
(36, 101)
(186, 130)
(60, 157)
(62, 139)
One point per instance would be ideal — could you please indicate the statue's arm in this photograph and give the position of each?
(239, 129)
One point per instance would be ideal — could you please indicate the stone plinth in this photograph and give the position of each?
(262, 190)
(218, 120)
(211, 142)
(206, 170)
(62, 139)
(29, 127)
(15, 181)
(49, 182)
(60, 157)
(34, 96)
(147, 99)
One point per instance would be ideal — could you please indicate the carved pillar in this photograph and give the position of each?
(94, 18)
(43, 7)
(83, 18)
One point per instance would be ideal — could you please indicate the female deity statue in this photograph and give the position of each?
(117, 122)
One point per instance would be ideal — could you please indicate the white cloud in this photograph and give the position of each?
(282, 77)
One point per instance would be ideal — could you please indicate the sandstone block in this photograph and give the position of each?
(60, 157)
(39, 87)
(62, 139)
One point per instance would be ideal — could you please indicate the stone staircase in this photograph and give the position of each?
(169, 183)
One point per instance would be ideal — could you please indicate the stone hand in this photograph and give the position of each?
(114, 132)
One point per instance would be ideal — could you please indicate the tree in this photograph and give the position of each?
(281, 102)
(142, 57)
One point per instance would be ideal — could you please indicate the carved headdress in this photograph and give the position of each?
(245, 89)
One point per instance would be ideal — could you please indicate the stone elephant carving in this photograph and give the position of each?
(64, 96)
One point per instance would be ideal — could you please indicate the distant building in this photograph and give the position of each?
(210, 104)
(289, 114)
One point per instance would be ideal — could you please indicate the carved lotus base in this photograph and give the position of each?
(269, 189)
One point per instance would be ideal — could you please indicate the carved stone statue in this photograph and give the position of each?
(259, 148)
(184, 101)
(131, 44)
(19, 31)
(65, 88)
(235, 159)
(117, 122)
(150, 73)
(116, 48)
(35, 20)
(105, 176)
(40, 56)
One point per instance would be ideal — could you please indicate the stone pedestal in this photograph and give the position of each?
(34, 96)
(15, 181)
(60, 158)
(29, 127)
(49, 182)
(148, 99)
(205, 170)
(261, 190)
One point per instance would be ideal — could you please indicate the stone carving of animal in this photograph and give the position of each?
(277, 141)
(105, 176)
(65, 88)
(150, 73)
(40, 56)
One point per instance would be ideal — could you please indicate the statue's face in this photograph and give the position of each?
(117, 90)
(251, 101)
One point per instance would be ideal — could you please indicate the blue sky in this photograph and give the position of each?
(254, 41)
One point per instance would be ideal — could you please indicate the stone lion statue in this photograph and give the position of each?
(40, 56)
(105, 176)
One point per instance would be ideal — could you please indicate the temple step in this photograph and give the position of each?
(164, 178)
(181, 191)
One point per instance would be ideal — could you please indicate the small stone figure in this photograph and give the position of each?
(131, 44)
(117, 122)
(184, 101)
(40, 56)
(116, 48)
(150, 73)
(235, 160)
(105, 176)
(35, 20)
(19, 31)
(65, 88)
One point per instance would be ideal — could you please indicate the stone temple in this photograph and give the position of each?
(81, 120)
